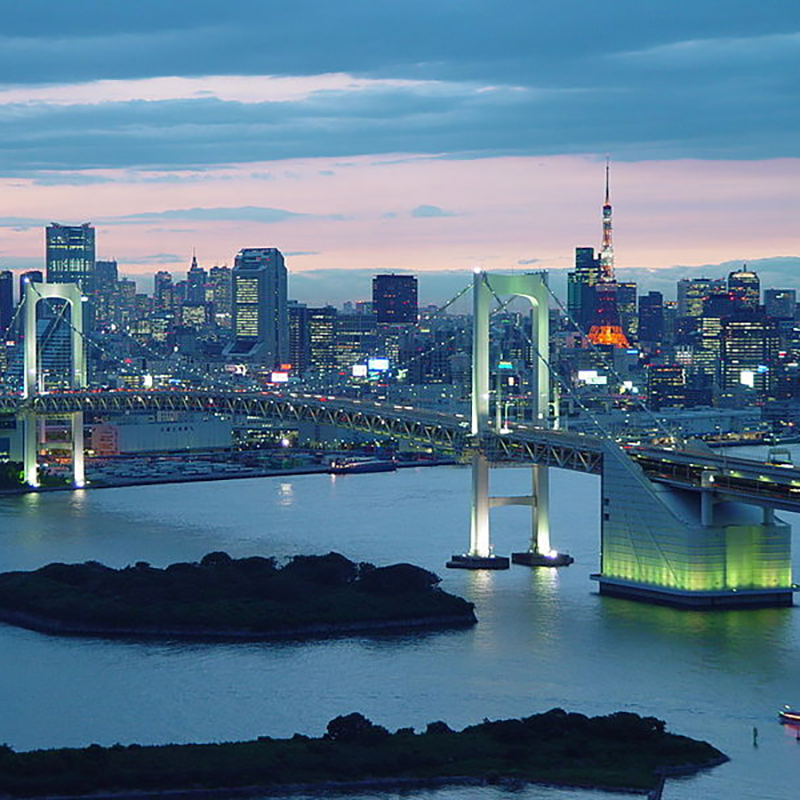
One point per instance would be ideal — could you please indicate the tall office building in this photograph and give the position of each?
(6, 303)
(221, 283)
(299, 345)
(692, 292)
(666, 386)
(196, 279)
(70, 254)
(163, 292)
(745, 286)
(651, 318)
(780, 303)
(750, 345)
(626, 307)
(394, 299)
(260, 316)
(580, 287)
(322, 339)
(104, 293)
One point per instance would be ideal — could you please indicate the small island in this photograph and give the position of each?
(221, 597)
(620, 751)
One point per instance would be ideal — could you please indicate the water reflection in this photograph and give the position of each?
(744, 640)
(285, 494)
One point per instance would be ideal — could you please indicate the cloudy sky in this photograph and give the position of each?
(421, 135)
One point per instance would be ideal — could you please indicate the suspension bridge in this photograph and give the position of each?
(679, 525)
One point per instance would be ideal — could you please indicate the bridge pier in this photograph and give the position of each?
(30, 448)
(692, 547)
(485, 289)
(78, 468)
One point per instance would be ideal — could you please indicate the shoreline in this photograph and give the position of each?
(379, 784)
(314, 469)
(50, 627)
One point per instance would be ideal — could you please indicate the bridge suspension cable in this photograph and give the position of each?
(659, 423)
(546, 361)
(90, 342)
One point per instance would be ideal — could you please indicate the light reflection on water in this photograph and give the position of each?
(545, 638)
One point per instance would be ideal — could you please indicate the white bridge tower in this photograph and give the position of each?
(71, 294)
(486, 287)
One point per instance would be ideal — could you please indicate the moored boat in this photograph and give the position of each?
(788, 714)
(354, 465)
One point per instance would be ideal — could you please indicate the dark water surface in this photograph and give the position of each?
(544, 639)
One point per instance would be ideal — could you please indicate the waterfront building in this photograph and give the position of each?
(322, 339)
(666, 386)
(299, 345)
(355, 339)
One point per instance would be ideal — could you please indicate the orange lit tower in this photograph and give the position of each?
(606, 328)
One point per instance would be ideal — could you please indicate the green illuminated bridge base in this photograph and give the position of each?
(690, 544)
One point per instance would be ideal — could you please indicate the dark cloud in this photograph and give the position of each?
(640, 80)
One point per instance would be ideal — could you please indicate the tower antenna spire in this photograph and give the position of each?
(607, 246)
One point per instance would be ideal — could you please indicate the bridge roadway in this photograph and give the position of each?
(446, 432)
(728, 477)
(745, 480)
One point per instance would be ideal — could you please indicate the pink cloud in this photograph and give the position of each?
(497, 212)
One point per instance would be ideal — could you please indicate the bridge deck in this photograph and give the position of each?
(742, 479)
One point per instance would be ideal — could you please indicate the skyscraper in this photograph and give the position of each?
(104, 293)
(260, 317)
(70, 254)
(394, 299)
(750, 344)
(220, 281)
(580, 286)
(693, 291)
(780, 303)
(746, 286)
(651, 318)
(6, 302)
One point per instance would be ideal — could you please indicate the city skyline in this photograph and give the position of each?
(355, 143)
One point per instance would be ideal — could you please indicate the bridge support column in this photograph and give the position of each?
(480, 554)
(486, 289)
(706, 509)
(539, 552)
(30, 448)
(78, 470)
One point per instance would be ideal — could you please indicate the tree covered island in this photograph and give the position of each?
(619, 751)
(222, 597)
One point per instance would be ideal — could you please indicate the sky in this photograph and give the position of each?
(433, 136)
